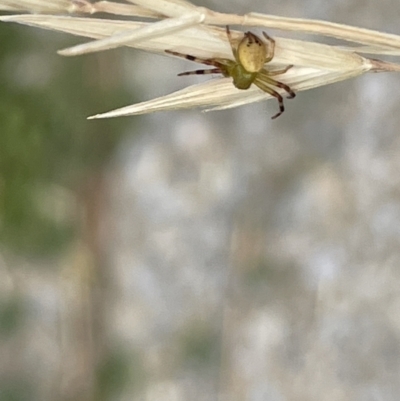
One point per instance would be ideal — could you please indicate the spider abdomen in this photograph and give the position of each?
(252, 52)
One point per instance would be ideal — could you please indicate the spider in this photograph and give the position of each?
(248, 67)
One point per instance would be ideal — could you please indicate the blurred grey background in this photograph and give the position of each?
(196, 256)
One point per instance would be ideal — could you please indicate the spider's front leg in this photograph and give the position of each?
(270, 49)
(231, 42)
(206, 61)
(201, 72)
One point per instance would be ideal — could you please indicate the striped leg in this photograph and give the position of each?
(261, 84)
(201, 72)
(264, 76)
(205, 61)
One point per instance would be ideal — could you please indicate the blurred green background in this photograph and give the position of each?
(47, 144)
(53, 164)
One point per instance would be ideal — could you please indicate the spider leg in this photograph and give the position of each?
(270, 48)
(264, 76)
(199, 72)
(284, 87)
(228, 33)
(261, 84)
(200, 60)
(279, 72)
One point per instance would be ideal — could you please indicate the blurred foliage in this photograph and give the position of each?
(12, 315)
(16, 389)
(261, 271)
(116, 369)
(50, 154)
(200, 346)
(46, 143)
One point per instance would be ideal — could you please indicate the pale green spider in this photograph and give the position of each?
(248, 67)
